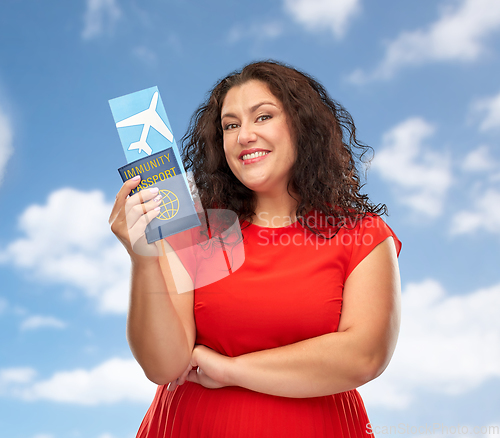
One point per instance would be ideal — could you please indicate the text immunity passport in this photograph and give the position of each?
(153, 154)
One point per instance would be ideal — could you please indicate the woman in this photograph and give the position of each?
(281, 344)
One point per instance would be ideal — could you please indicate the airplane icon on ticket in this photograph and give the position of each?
(149, 118)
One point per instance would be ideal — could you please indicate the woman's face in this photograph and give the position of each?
(257, 139)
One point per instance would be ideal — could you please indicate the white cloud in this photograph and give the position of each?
(12, 378)
(489, 108)
(37, 321)
(6, 148)
(448, 344)
(43, 435)
(479, 160)
(115, 380)
(485, 215)
(16, 375)
(420, 177)
(324, 14)
(68, 241)
(458, 35)
(100, 17)
(256, 31)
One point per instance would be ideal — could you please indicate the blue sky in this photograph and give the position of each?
(421, 81)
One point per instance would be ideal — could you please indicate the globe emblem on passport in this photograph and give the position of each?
(169, 206)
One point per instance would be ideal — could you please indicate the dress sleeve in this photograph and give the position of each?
(368, 233)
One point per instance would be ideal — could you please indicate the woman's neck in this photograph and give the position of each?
(275, 211)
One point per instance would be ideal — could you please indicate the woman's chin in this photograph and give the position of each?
(266, 186)
(258, 187)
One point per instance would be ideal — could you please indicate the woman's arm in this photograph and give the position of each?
(160, 322)
(331, 363)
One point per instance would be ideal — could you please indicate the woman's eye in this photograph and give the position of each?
(230, 126)
(262, 118)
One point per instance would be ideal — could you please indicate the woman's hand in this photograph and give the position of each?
(211, 369)
(130, 215)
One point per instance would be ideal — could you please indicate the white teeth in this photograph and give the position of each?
(254, 155)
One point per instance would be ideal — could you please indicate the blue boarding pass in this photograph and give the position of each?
(152, 153)
(135, 114)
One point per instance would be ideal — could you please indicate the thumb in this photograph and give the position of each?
(183, 376)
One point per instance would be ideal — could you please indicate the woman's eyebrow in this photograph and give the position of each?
(227, 115)
(252, 109)
(256, 107)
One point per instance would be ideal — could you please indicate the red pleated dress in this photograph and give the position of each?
(289, 288)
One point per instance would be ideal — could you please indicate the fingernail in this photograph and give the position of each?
(135, 178)
(157, 208)
(154, 190)
(157, 198)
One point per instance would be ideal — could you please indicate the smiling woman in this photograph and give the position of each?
(257, 140)
(279, 346)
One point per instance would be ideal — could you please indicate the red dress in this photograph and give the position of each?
(288, 289)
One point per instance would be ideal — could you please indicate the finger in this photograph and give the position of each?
(138, 229)
(172, 385)
(139, 210)
(121, 196)
(144, 211)
(140, 197)
(184, 375)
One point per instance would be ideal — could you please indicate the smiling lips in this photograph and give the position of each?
(252, 155)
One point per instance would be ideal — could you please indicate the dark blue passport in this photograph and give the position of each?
(177, 210)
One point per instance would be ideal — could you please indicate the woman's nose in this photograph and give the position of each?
(246, 134)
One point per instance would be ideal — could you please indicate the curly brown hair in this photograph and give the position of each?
(325, 175)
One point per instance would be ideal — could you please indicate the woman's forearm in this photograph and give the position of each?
(155, 332)
(315, 367)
